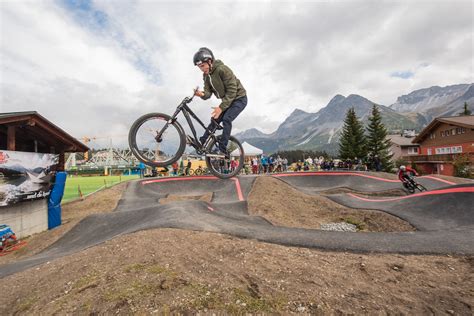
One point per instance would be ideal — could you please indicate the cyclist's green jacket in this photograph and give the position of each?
(224, 84)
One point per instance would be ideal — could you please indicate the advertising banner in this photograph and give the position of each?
(25, 176)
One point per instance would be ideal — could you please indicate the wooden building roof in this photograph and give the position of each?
(466, 121)
(31, 126)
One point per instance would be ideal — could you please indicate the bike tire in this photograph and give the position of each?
(191, 172)
(421, 187)
(219, 171)
(137, 152)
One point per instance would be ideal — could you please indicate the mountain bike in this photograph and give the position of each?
(158, 140)
(412, 185)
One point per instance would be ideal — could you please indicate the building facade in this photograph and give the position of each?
(442, 142)
(401, 146)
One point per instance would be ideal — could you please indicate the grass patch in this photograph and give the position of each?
(204, 297)
(154, 269)
(85, 281)
(359, 225)
(25, 304)
(244, 301)
(133, 290)
(90, 184)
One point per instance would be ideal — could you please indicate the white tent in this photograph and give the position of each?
(249, 150)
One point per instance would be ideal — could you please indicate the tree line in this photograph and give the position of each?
(370, 144)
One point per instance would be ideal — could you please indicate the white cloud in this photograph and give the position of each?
(287, 55)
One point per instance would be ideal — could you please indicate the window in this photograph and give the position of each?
(430, 151)
(442, 133)
(446, 132)
(463, 130)
(448, 150)
(413, 150)
(443, 150)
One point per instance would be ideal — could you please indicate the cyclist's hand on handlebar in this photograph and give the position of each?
(198, 93)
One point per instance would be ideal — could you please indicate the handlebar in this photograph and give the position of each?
(189, 99)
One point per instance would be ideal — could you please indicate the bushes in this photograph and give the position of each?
(462, 166)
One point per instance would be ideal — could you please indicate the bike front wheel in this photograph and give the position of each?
(153, 148)
(226, 167)
(421, 187)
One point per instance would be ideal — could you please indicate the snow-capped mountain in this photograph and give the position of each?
(436, 101)
(321, 130)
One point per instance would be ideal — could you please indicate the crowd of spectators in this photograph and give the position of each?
(272, 164)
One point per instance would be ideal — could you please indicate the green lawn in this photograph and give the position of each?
(90, 184)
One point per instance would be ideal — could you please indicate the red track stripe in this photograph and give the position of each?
(437, 192)
(296, 174)
(236, 181)
(322, 173)
(438, 179)
(239, 190)
(180, 179)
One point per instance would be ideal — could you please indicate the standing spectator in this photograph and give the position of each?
(175, 168)
(377, 163)
(255, 165)
(141, 165)
(270, 164)
(264, 162)
(233, 164)
(309, 162)
(188, 167)
(285, 164)
(278, 163)
(181, 166)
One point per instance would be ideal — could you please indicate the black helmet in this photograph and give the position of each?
(204, 54)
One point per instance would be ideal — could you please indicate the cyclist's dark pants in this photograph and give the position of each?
(226, 118)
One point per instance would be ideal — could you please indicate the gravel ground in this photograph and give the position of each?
(339, 227)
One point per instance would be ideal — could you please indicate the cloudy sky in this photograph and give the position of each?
(92, 67)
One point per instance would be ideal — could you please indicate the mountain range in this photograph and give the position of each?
(321, 130)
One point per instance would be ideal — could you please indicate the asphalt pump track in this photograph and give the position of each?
(443, 216)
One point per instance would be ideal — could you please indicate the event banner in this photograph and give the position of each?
(25, 176)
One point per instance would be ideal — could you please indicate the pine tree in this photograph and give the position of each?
(466, 111)
(377, 143)
(352, 141)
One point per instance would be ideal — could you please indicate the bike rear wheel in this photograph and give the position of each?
(225, 168)
(156, 153)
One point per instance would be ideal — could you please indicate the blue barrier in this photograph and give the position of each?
(54, 201)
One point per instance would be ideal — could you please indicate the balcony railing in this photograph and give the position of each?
(437, 158)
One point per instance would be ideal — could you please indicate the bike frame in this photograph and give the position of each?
(188, 114)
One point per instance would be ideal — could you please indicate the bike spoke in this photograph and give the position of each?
(157, 151)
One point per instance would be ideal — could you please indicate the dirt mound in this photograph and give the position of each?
(176, 271)
(168, 270)
(283, 205)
